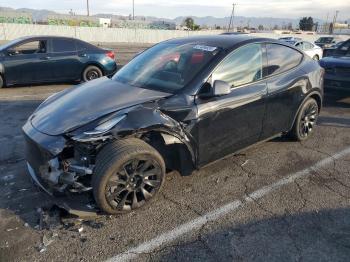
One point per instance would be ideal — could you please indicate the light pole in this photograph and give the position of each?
(133, 9)
(232, 16)
(87, 7)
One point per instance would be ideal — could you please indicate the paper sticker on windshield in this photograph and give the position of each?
(205, 48)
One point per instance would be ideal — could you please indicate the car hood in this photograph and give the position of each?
(333, 61)
(77, 106)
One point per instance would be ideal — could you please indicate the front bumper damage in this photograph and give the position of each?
(64, 176)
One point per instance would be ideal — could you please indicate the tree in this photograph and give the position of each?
(189, 23)
(306, 23)
(261, 28)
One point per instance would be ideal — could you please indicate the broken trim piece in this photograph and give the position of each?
(35, 178)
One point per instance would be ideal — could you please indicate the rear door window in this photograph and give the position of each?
(281, 58)
(81, 46)
(63, 45)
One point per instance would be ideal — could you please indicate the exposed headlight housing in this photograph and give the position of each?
(105, 127)
(99, 131)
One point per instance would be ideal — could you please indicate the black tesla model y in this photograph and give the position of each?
(177, 106)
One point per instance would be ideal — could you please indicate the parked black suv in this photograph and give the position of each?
(177, 106)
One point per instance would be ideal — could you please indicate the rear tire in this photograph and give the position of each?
(305, 120)
(92, 72)
(316, 58)
(128, 174)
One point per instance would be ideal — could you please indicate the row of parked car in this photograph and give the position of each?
(334, 56)
(43, 59)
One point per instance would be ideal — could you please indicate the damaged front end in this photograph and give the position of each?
(57, 164)
(64, 164)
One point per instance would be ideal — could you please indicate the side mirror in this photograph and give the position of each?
(221, 88)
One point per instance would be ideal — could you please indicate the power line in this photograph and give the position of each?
(231, 18)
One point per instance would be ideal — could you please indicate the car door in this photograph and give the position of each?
(230, 122)
(27, 62)
(284, 81)
(65, 61)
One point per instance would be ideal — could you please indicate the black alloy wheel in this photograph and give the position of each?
(305, 121)
(128, 174)
(135, 183)
(308, 119)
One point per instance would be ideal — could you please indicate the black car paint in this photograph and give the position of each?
(50, 66)
(204, 128)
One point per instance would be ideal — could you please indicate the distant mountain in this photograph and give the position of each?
(38, 15)
(41, 15)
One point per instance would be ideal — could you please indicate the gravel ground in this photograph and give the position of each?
(272, 202)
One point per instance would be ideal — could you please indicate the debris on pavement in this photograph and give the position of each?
(47, 240)
(245, 162)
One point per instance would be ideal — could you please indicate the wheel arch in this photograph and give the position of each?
(162, 132)
(177, 155)
(315, 95)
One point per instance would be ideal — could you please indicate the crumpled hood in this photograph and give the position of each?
(77, 106)
(332, 61)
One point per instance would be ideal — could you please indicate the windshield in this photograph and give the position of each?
(325, 40)
(166, 67)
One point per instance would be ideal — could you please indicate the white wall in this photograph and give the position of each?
(115, 35)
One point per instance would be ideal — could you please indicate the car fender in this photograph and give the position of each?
(144, 119)
(313, 93)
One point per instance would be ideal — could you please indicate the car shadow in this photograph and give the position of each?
(310, 236)
(336, 98)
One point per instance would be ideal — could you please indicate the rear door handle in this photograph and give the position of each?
(45, 58)
(83, 55)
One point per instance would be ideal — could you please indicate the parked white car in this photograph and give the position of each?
(312, 50)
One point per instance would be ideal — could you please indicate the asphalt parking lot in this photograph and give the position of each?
(276, 201)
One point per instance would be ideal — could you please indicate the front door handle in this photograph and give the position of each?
(83, 55)
(45, 58)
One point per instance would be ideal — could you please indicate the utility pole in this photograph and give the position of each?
(335, 20)
(87, 7)
(133, 9)
(231, 18)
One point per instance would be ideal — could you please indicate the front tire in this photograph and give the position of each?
(305, 120)
(91, 73)
(2, 84)
(316, 58)
(128, 174)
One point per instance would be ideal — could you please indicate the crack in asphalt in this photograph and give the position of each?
(188, 207)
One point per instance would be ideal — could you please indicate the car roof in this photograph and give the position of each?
(221, 41)
(44, 37)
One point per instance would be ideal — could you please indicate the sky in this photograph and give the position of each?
(173, 8)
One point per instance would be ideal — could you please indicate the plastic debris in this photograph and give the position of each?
(245, 162)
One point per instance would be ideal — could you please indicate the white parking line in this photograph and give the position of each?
(194, 224)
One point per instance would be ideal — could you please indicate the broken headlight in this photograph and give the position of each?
(100, 129)
(105, 127)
